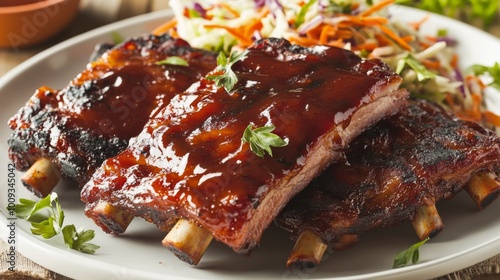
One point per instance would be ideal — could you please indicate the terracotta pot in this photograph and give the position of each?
(29, 22)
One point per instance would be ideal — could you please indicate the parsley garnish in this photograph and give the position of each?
(49, 224)
(78, 240)
(261, 140)
(422, 72)
(117, 38)
(410, 254)
(173, 60)
(493, 72)
(224, 76)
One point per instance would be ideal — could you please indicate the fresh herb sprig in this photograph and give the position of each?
(50, 223)
(262, 139)
(409, 255)
(224, 75)
(117, 38)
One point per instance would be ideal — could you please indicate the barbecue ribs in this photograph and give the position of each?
(94, 117)
(189, 161)
(393, 171)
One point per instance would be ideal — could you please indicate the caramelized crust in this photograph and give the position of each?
(104, 106)
(189, 161)
(415, 158)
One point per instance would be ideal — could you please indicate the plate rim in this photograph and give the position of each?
(45, 253)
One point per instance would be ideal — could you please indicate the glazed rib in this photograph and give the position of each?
(189, 161)
(94, 117)
(392, 173)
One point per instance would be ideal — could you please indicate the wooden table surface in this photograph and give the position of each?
(95, 13)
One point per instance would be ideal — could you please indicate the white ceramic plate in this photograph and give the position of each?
(469, 237)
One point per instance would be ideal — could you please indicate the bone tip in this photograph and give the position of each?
(187, 241)
(41, 178)
(302, 263)
(488, 199)
(307, 251)
(483, 188)
(183, 256)
(111, 219)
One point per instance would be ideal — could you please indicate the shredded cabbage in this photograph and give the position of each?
(428, 65)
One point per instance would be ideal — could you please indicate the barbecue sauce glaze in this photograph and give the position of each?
(104, 106)
(419, 156)
(189, 161)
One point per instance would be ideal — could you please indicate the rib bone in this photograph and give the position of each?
(483, 188)
(427, 222)
(308, 250)
(187, 241)
(112, 219)
(41, 178)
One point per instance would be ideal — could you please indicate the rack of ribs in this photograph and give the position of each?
(70, 132)
(394, 172)
(189, 172)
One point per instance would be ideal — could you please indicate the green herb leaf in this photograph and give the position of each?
(411, 254)
(262, 139)
(173, 60)
(224, 76)
(302, 13)
(47, 228)
(78, 240)
(49, 223)
(24, 210)
(493, 72)
(117, 38)
(422, 72)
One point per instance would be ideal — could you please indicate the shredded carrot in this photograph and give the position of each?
(476, 106)
(492, 118)
(238, 33)
(432, 64)
(315, 33)
(166, 27)
(476, 80)
(454, 61)
(395, 37)
(362, 21)
(433, 39)
(408, 38)
(303, 41)
(418, 24)
(339, 43)
(377, 7)
(229, 9)
(244, 33)
(365, 46)
(344, 34)
(449, 99)
(326, 32)
(382, 40)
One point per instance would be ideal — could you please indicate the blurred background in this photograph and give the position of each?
(90, 14)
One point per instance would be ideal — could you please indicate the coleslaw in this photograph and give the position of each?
(427, 63)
